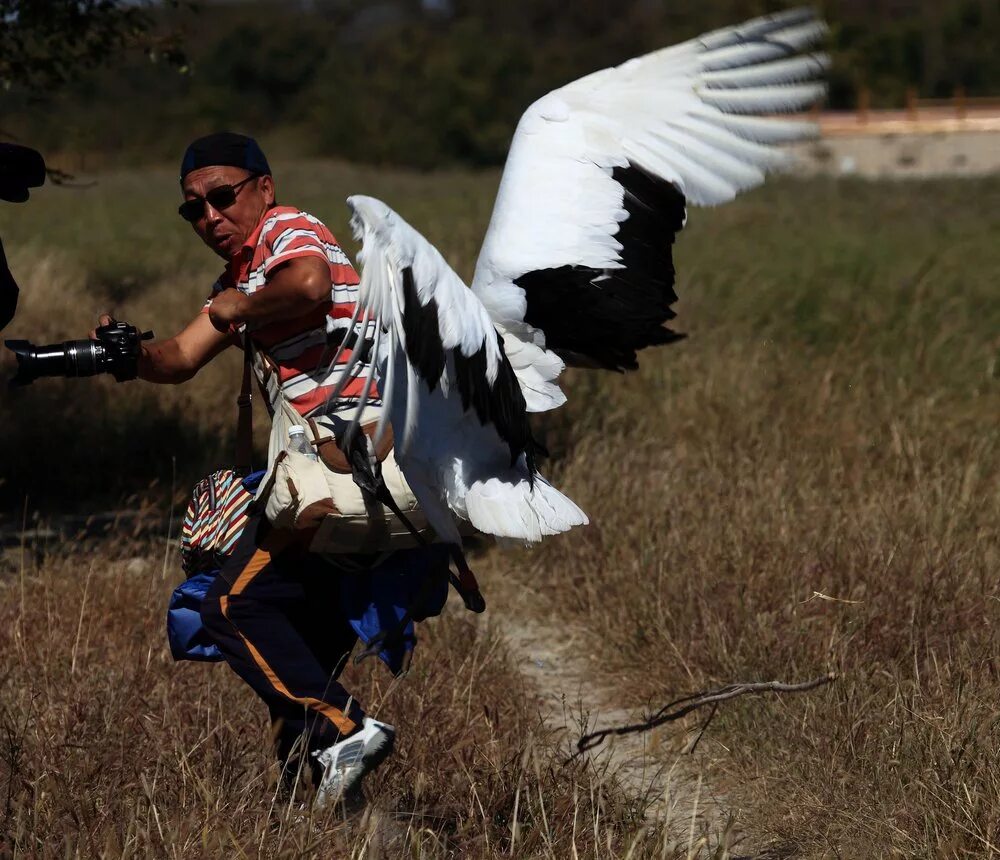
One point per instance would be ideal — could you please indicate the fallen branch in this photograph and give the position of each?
(66, 180)
(679, 708)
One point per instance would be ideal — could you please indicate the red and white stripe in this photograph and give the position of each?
(299, 346)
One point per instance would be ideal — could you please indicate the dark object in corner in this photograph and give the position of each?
(21, 168)
(8, 292)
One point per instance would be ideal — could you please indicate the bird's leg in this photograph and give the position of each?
(465, 582)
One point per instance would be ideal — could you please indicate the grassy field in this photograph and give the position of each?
(810, 482)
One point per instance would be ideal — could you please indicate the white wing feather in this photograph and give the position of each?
(689, 114)
(591, 197)
(456, 464)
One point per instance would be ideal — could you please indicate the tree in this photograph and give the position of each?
(46, 43)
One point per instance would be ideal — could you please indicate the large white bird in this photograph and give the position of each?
(576, 266)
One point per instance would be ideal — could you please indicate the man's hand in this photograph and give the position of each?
(180, 357)
(295, 289)
(228, 310)
(102, 320)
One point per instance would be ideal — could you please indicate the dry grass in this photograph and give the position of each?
(829, 428)
(109, 749)
(812, 483)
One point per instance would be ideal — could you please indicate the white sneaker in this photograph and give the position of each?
(349, 761)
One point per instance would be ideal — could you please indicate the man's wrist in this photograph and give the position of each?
(242, 308)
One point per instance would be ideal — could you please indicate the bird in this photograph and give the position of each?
(576, 267)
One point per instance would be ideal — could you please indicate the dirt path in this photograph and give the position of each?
(555, 660)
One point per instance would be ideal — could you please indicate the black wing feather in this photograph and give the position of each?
(604, 317)
(500, 404)
(423, 336)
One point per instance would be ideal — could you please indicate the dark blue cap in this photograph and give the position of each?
(225, 149)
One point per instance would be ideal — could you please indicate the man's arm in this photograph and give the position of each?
(180, 357)
(293, 290)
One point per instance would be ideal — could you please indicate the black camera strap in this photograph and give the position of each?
(244, 421)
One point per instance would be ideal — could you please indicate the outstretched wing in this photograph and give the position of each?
(577, 259)
(462, 435)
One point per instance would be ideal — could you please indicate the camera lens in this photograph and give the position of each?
(82, 357)
(71, 358)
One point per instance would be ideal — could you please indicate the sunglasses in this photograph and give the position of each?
(220, 197)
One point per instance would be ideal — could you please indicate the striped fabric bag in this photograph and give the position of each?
(213, 521)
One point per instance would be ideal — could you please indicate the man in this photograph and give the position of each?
(288, 287)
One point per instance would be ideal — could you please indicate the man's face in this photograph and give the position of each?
(225, 230)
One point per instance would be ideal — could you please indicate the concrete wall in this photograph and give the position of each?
(902, 155)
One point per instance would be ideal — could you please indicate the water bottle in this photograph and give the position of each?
(298, 442)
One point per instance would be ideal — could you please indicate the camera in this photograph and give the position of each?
(116, 351)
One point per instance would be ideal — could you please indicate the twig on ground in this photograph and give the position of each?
(704, 728)
(66, 180)
(679, 708)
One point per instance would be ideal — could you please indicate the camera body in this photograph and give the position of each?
(119, 345)
(116, 351)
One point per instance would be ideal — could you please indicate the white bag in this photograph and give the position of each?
(300, 493)
(299, 497)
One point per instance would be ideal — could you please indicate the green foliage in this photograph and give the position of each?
(46, 43)
(934, 47)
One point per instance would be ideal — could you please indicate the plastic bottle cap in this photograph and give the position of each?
(296, 429)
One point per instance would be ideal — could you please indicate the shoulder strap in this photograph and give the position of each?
(244, 421)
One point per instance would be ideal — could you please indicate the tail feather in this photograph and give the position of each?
(513, 509)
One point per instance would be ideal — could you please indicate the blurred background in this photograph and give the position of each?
(426, 83)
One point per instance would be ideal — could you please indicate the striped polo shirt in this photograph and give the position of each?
(303, 347)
